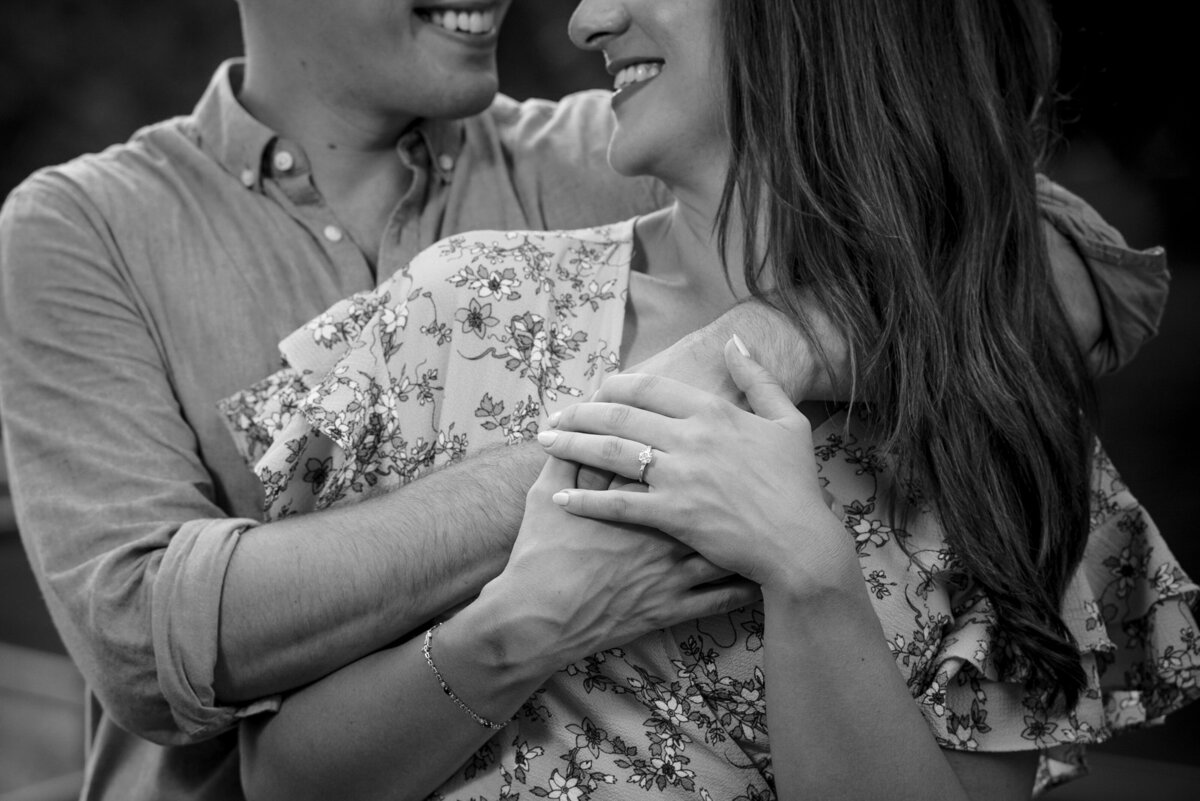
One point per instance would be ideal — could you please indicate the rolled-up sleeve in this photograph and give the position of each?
(115, 507)
(1131, 285)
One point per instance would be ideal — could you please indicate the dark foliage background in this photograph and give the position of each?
(77, 75)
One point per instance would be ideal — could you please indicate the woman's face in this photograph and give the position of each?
(666, 60)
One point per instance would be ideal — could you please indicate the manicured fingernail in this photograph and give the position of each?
(562, 497)
(546, 438)
(553, 419)
(741, 346)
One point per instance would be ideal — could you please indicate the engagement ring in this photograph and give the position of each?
(644, 459)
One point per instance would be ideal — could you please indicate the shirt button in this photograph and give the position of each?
(284, 161)
(333, 233)
(446, 162)
(248, 178)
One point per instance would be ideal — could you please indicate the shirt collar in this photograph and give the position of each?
(227, 131)
(239, 142)
(443, 140)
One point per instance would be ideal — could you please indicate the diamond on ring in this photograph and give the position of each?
(644, 459)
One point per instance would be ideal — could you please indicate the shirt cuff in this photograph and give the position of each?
(1131, 285)
(186, 617)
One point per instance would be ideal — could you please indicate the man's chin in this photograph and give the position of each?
(467, 103)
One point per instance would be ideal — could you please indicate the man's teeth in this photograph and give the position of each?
(477, 22)
(636, 73)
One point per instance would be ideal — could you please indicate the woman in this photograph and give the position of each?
(885, 153)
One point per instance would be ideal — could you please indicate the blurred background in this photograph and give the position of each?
(76, 76)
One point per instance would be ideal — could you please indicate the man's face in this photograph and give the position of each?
(407, 58)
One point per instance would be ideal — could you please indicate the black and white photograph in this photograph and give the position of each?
(599, 400)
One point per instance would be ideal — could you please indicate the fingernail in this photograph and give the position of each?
(562, 497)
(553, 419)
(741, 346)
(546, 438)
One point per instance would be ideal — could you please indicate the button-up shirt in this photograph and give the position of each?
(141, 285)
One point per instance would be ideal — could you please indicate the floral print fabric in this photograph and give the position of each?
(487, 334)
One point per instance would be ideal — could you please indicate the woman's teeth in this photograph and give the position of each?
(476, 22)
(636, 73)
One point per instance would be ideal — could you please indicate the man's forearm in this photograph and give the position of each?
(309, 594)
(1073, 281)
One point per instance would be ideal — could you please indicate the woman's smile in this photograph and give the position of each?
(640, 72)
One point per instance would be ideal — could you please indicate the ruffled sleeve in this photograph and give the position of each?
(1129, 608)
(473, 345)
(326, 427)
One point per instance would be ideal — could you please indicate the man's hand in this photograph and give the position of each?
(698, 359)
(575, 586)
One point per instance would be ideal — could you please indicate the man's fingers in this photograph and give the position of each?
(719, 597)
(697, 570)
(664, 396)
(593, 478)
(556, 474)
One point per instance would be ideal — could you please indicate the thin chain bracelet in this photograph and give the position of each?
(482, 721)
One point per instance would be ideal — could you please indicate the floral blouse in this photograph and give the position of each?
(487, 334)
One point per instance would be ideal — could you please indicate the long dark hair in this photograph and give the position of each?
(884, 158)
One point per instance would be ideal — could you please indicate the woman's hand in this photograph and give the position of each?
(574, 586)
(739, 487)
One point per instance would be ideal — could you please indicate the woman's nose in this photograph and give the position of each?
(595, 22)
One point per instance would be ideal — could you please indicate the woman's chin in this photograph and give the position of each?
(625, 164)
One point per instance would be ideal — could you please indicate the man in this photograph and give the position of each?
(142, 285)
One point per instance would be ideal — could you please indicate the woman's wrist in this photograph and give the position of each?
(825, 602)
(490, 657)
(818, 576)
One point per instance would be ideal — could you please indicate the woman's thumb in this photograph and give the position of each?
(762, 390)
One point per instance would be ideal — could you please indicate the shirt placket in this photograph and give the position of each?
(413, 225)
(288, 178)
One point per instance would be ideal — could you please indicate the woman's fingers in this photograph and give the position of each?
(609, 453)
(618, 506)
(762, 389)
(608, 418)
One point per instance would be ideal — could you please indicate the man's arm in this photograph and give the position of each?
(382, 727)
(308, 594)
(1123, 291)
(1088, 260)
(174, 611)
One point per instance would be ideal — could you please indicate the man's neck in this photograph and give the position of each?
(351, 150)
